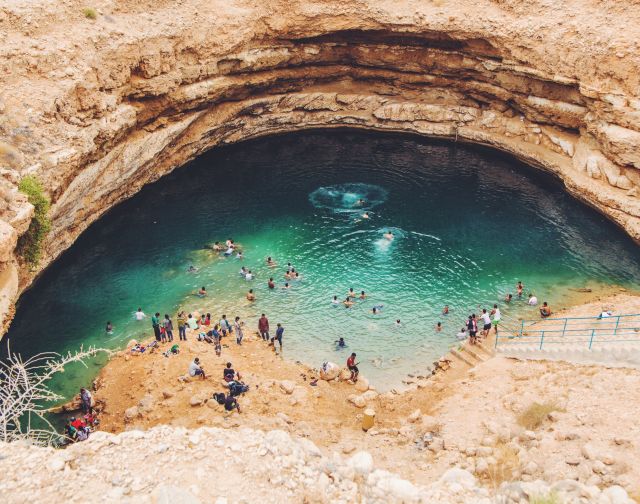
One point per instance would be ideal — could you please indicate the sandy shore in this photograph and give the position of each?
(142, 391)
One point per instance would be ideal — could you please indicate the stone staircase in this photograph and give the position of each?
(467, 356)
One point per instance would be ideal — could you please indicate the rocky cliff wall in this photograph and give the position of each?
(99, 108)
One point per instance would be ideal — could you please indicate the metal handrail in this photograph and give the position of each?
(587, 330)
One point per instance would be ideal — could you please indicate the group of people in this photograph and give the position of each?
(78, 428)
(233, 381)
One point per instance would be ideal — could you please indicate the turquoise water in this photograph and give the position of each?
(468, 224)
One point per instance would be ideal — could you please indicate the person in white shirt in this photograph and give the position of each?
(140, 314)
(486, 321)
(532, 300)
(249, 275)
(195, 369)
(462, 335)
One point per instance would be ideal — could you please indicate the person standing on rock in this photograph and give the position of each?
(352, 365)
(182, 326)
(155, 323)
(85, 401)
(237, 325)
(278, 336)
(263, 327)
(168, 327)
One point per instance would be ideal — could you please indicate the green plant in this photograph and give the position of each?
(534, 415)
(30, 243)
(89, 13)
(550, 498)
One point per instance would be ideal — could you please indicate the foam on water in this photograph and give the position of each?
(343, 198)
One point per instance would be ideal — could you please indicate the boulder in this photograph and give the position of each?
(357, 400)
(131, 414)
(167, 394)
(196, 401)
(287, 386)
(329, 371)
(146, 404)
(362, 463)
(362, 385)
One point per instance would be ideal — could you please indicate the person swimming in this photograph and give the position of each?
(335, 300)
(217, 247)
(239, 255)
(365, 215)
(508, 298)
(439, 326)
(341, 343)
(351, 293)
(271, 284)
(202, 292)
(192, 269)
(250, 295)
(363, 295)
(347, 302)
(377, 309)
(398, 323)
(109, 328)
(388, 235)
(270, 262)
(361, 202)
(249, 275)
(286, 286)
(243, 272)
(445, 310)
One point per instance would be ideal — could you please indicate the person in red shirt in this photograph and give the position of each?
(263, 327)
(353, 367)
(77, 423)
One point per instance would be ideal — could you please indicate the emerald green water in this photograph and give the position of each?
(468, 225)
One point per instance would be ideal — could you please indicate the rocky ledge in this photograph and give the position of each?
(167, 464)
(97, 108)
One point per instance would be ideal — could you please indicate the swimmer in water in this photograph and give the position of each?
(398, 323)
(140, 314)
(340, 343)
(351, 293)
(271, 284)
(363, 295)
(229, 242)
(249, 275)
(508, 298)
(347, 302)
(192, 269)
(335, 301)
(202, 292)
(365, 215)
(286, 286)
(109, 328)
(388, 235)
(445, 310)
(360, 202)
(271, 263)
(289, 267)
(377, 309)
(519, 289)
(297, 276)
(250, 295)
(239, 255)
(243, 272)
(439, 326)
(217, 247)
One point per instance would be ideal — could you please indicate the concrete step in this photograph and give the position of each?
(474, 353)
(466, 360)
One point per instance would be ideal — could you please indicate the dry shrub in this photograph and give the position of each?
(550, 498)
(533, 417)
(89, 13)
(507, 462)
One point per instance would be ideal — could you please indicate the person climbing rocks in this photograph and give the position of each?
(352, 365)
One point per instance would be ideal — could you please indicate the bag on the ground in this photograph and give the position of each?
(219, 397)
(236, 388)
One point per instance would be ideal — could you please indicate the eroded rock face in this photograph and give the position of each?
(97, 109)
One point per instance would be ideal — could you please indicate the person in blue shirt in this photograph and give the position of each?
(278, 336)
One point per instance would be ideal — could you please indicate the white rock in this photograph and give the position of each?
(362, 463)
(168, 494)
(588, 451)
(56, 464)
(415, 416)
(362, 385)
(617, 495)
(459, 476)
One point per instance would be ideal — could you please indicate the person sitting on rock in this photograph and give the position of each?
(545, 311)
(229, 373)
(195, 369)
(231, 403)
(353, 367)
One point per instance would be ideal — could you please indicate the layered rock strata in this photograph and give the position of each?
(98, 108)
